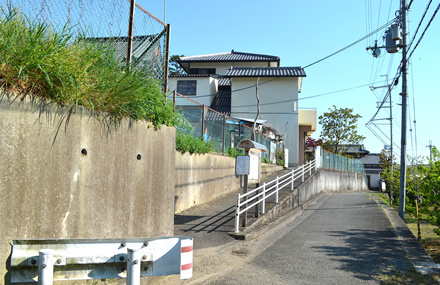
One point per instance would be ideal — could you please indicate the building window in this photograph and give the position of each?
(187, 87)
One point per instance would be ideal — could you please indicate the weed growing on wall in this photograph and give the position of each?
(52, 65)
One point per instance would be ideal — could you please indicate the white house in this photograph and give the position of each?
(228, 82)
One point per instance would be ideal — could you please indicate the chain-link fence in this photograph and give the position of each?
(107, 22)
(341, 163)
(224, 131)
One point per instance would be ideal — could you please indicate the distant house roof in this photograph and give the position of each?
(222, 103)
(355, 149)
(372, 158)
(224, 81)
(265, 72)
(141, 45)
(229, 56)
(192, 75)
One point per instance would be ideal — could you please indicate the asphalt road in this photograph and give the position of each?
(342, 239)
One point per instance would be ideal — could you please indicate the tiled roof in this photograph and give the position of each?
(266, 72)
(222, 103)
(372, 158)
(224, 81)
(229, 56)
(141, 45)
(192, 75)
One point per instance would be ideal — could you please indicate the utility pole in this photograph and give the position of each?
(404, 94)
(430, 150)
(391, 132)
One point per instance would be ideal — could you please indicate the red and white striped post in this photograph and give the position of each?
(186, 258)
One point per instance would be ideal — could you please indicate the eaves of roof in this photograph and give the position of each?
(230, 56)
(266, 72)
(192, 75)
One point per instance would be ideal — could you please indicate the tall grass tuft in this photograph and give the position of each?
(37, 60)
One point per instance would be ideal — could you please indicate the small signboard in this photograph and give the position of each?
(242, 165)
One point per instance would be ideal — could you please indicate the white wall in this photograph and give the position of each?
(374, 181)
(279, 114)
(205, 86)
(222, 67)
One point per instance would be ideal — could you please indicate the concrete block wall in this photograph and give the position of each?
(66, 174)
(203, 178)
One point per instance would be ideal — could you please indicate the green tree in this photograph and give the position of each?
(174, 66)
(339, 129)
(430, 187)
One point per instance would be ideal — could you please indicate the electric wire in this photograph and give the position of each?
(420, 24)
(423, 34)
(350, 45)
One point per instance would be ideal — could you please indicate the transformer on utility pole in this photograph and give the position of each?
(396, 39)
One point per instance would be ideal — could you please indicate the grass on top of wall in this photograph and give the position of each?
(52, 65)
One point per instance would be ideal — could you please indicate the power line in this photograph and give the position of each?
(304, 98)
(420, 23)
(350, 45)
(426, 28)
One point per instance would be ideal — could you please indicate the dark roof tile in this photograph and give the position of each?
(266, 72)
(229, 56)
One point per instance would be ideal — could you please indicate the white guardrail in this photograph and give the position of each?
(45, 261)
(259, 195)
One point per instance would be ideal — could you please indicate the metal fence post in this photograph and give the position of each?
(310, 167)
(203, 122)
(45, 266)
(276, 195)
(293, 179)
(237, 215)
(302, 178)
(133, 266)
(224, 130)
(263, 206)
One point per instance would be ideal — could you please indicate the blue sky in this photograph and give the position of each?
(302, 32)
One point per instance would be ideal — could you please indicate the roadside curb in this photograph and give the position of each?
(420, 259)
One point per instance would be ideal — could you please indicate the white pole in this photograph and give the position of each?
(293, 179)
(237, 214)
(45, 267)
(263, 206)
(302, 178)
(276, 195)
(133, 266)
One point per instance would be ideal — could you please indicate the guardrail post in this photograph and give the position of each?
(293, 179)
(276, 195)
(310, 168)
(263, 206)
(133, 266)
(237, 215)
(45, 266)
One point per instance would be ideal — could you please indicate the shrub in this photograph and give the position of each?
(37, 60)
(280, 157)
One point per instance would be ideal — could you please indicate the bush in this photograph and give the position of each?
(187, 142)
(280, 157)
(37, 60)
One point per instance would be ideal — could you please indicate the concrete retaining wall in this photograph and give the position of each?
(323, 181)
(203, 178)
(331, 181)
(67, 175)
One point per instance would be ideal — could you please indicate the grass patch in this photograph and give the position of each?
(411, 276)
(56, 67)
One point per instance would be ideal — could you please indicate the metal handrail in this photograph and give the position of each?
(259, 195)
